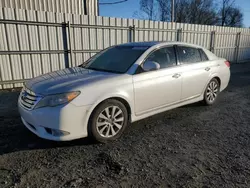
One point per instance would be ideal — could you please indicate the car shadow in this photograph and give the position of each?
(197, 104)
(20, 139)
(14, 136)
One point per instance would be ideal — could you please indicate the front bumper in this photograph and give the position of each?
(69, 118)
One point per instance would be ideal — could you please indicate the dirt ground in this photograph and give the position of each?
(191, 146)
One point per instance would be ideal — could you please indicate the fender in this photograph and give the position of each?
(121, 95)
(211, 76)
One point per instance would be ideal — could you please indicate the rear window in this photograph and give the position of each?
(188, 55)
(203, 55)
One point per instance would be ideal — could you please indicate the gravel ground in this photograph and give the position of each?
(191, 146)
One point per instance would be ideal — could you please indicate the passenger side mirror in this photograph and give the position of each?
(150, 65)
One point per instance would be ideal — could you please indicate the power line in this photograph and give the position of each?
(112, 3)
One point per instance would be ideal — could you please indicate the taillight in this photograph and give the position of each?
(227, 64)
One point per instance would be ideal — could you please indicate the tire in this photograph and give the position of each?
(108, 121)
(212, 91)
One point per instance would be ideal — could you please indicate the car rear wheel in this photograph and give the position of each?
(211, 92)
(108, 121)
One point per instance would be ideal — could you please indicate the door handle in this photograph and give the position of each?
(176, 75)
(207, 68)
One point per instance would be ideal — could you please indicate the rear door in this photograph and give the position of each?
(195, 68)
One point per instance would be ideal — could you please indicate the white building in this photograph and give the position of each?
(87, 7)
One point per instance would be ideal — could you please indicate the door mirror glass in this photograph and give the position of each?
(150, 65)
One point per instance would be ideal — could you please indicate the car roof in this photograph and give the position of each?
(140, 44)
(158, 43)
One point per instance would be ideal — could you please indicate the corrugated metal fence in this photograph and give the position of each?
(88, 7)
(34, 42)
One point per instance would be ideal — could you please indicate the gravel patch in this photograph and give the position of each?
(191, 146)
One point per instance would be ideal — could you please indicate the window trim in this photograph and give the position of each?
(176, 55)
(140, 65)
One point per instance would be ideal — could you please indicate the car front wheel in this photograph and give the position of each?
(108, 121)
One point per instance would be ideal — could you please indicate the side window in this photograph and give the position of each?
(188, 55)
(164, 56)
(203, 55)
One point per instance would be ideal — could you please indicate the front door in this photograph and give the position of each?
(158, 88)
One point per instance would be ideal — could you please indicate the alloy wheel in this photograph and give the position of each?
(212, 91)
(110, 121)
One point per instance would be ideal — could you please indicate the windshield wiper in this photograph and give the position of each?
(96, 69)
(103, 70)
(83, 65)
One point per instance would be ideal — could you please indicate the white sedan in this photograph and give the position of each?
(119, 85)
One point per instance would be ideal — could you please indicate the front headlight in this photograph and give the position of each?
(58, 99)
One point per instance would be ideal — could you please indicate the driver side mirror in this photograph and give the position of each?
(150, 65)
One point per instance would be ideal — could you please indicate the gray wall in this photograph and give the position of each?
(63, 6)
(36, 42)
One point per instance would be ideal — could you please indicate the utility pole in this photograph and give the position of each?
(98, 8)
(173, 11)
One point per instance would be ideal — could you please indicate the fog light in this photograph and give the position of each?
(55, 132)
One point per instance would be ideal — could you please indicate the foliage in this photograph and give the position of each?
(209, 12)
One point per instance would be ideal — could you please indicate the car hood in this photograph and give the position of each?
(65, 80)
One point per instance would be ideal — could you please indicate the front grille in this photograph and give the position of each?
(28, 99)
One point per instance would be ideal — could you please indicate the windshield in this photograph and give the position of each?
(116, 59)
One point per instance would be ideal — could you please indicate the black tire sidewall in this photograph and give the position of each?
(207, 102)
(92, 129)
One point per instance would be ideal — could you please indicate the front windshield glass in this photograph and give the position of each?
(116, 59)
